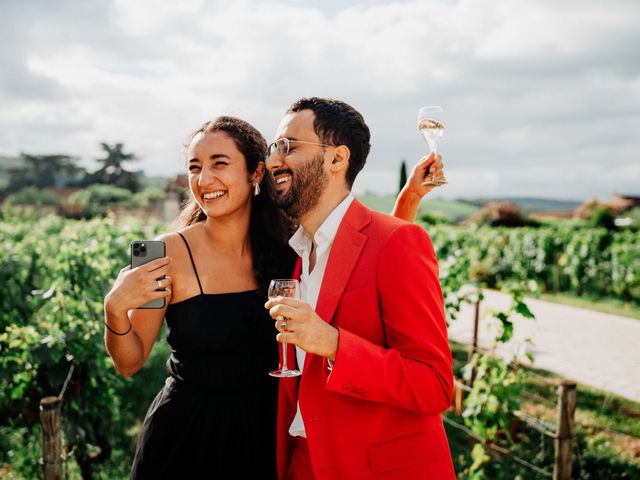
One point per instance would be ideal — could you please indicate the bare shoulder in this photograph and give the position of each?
(172, 241)
(179, 243)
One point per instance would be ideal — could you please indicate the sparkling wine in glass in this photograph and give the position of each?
(284, 288)
(432, 129)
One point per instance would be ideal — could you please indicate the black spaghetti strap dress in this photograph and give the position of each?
(216, 415)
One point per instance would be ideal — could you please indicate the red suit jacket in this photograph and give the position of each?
(377, 414)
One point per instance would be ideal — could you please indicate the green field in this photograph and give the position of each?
(452, 211)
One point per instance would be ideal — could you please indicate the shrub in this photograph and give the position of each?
(34, 196)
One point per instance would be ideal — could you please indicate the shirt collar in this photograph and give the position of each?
(301, 241)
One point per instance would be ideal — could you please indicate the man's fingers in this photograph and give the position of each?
(284, 325)
(286, 337)
(282, 301)
(286, 311)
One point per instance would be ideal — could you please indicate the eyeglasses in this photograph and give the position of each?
(281, 146)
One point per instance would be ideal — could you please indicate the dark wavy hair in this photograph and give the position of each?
(337, 123)
(269, 227)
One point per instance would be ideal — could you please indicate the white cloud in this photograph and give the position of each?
(531, 90)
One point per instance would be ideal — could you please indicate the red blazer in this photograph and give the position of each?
(377, 414)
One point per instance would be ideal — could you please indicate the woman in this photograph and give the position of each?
(216, 413)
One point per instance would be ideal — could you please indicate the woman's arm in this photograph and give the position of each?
(408, 201)
(131, 333)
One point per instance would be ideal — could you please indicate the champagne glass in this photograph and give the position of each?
(284, 288)
(432, 129)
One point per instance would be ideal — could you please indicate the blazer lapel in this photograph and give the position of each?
(344, 254)
(343, 257)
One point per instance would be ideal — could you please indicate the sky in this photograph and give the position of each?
(540, 97)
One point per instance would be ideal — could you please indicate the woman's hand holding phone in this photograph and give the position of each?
(138, 286)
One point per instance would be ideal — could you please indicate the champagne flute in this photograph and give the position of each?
(432, 129)
(284, 288)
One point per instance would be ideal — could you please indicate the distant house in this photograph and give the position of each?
(619, 203)
(176, 193)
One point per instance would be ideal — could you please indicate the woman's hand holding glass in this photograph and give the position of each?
(430, 165)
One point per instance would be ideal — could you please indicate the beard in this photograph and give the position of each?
(307, 185)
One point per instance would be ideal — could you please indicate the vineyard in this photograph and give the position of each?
(55, 273)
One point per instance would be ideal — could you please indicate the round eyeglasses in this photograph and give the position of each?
(281, 146)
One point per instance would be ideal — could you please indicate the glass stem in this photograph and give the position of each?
(284, 356)
(435, 153)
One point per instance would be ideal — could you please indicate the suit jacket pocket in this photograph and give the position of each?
(407, 450)
(357, 296)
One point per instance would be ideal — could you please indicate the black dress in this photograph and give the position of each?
(216, 415)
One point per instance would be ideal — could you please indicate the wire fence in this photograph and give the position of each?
(497, 448)
(546, 427)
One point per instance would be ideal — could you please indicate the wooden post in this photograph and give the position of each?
(565, 430)
(51, 438)
(474, 342)
(458, 396)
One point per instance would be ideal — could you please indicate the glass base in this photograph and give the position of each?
(285, 373)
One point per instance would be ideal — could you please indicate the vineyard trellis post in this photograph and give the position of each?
(50, 417)
(474, 343)
(565, 431)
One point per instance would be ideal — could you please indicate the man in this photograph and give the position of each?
(369, 332)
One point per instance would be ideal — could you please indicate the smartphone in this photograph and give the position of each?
(144, 251)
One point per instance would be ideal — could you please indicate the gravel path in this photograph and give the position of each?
(592, 348)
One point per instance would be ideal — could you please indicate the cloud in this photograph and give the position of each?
(532, 91)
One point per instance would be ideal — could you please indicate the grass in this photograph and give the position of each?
(606, 305)
(608, 427)
(451, 211)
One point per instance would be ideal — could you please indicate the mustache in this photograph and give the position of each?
(282, 171)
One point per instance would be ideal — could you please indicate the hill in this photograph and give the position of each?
(531, 204)
(452, 210)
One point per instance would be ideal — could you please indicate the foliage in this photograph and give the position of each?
(504, 214)
(55, 273)
(598, 461)
(41, 171)
(112, 171)
(98, 199)
(403, 175)
(592, 262)
(496, 386)
(603, 218)
(34, 196)
(434, 218)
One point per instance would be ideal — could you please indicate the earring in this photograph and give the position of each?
(256, 190)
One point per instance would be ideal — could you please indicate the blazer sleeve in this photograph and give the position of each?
(413, 370)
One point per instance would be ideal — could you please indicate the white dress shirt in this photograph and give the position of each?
(310, 282)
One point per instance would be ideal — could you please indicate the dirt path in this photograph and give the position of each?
(592, 348)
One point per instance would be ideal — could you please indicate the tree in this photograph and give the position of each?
(403, 175)
(112, 172)
(42, 171)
